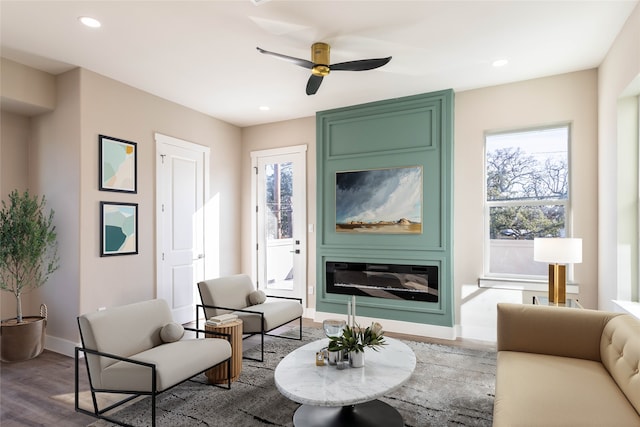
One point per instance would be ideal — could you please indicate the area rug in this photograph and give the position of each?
(451, 386)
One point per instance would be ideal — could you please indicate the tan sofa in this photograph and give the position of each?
(566, 367)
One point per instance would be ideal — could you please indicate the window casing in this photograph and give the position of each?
(526, 196)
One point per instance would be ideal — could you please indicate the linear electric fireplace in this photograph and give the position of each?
(392, 281)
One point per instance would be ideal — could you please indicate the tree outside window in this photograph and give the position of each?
(279, 192)
(527, 196)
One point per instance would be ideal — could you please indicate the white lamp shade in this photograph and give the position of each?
(557, 250)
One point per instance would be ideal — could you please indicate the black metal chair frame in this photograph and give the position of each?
(100, 413)
(262, 332)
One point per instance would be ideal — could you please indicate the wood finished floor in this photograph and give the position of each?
(40, 392)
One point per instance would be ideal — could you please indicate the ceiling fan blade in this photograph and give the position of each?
(313, 84)
(361, 65)
(301, 62)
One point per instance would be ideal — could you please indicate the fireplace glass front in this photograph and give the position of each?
(381, 280)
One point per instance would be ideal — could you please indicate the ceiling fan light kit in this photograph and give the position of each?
(319, 64)
(320, 58)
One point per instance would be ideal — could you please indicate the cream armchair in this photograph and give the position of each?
(236, 294)
(137, 350)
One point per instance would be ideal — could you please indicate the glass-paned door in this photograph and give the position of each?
(281, 223)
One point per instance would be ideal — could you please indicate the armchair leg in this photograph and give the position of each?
(255, 359)
(153, 410)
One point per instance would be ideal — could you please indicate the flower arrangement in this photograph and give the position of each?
(355, 339)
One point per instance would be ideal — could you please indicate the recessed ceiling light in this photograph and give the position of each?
(500, 62)
(90, 22)
(264, 108)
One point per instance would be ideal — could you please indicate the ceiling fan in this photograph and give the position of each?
(319, 64)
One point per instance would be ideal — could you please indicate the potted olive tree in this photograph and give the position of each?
(28, 256)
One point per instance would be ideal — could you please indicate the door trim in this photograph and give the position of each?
(160, 140)
(255, 155)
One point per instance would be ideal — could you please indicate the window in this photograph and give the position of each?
(278, 200)
(527, 196)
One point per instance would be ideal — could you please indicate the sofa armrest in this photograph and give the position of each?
(205, 306)
(95, 376)
(292, 298)
(558, 331)
(243, 310)
(222, 335)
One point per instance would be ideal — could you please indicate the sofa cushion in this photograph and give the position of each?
(620, 353)
(544, 390)
(277, 312)
(174, 362)
(257, 297)
(231, 291)
(171, 332)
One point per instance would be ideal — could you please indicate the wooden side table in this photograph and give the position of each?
(218, 374)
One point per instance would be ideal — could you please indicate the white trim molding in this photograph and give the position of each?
(400, 327)
(630, 307)
(60, 345)
(522, 285)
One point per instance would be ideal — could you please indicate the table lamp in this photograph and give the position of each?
(558, 252)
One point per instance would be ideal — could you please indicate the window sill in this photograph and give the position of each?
(630, 307)
(522, 284)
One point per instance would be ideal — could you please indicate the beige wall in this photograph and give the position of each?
(277, 135)
(14, 142)
(25, 90)
(618, 71)
(114, 109)
(54, 158)
(565, 98)
(63, 165)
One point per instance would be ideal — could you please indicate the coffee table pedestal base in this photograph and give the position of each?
(368, 414)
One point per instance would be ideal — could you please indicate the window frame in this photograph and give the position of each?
(488, 204)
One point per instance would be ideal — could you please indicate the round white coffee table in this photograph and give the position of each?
(332, 397)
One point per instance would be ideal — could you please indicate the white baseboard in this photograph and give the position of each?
(419, 329)
(478, 333)
(60, 345)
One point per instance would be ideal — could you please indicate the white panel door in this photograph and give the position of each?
(181, 237)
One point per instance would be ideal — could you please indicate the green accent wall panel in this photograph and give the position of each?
(408, 130)
(414, 132)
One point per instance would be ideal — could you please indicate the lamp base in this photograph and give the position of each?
(557, 283)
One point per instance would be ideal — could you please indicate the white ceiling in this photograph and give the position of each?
(202, 54)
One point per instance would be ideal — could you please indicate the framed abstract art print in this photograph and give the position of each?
(118, 165)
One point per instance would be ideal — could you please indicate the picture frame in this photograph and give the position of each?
(118, 165)
(118, 229)
(379, 201)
